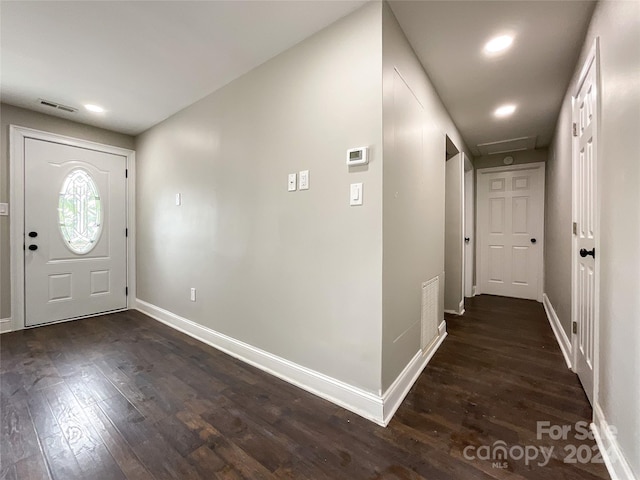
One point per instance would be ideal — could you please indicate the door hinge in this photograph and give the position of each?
(574, 327)
(126, 291)
(575, 228)
(126, 232)
(575, 129)
(126, 171)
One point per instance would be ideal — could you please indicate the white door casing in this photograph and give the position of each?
(53, 283)
(510, 231)
(585, 251)
(469, 233)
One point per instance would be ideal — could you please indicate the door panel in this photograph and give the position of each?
(510, 231)
(584, 302)
(75, 221)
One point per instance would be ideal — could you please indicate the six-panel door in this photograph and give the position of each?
(510, 227)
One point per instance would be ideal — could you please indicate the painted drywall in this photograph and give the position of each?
(10, 115)
(413, 231)
(557, 220)
(617, 24)
(453, 233)
(297, 274)
(526, 156)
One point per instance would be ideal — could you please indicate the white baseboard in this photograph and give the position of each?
(5, 325)
(558, 331)
(395, 394)
(378, 409)
(474, 290)
(614, 459)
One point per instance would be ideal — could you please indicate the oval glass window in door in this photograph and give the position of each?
(80, 211)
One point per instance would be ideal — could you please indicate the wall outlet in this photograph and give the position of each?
(193, 294)
(4, 209)
(178, 199)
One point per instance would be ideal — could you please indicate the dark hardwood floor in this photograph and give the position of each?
(123, 396)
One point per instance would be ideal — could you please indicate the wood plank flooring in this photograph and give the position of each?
(123, 396)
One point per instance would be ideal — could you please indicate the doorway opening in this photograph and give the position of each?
(454, 230)
(72, 236)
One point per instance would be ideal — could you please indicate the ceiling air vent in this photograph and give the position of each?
(57, 106)
(505, 146)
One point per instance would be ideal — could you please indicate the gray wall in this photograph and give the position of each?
(413, 230)
(526, 156)
(295, 274)
(453, 233)
(618, 26)
(10, 115)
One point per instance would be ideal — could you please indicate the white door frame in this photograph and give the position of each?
(469, 218)
(510, 168)
(17, 137)
(593, 56)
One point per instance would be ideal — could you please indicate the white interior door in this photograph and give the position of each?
(585, 197)
(510, 231)
(75, 223)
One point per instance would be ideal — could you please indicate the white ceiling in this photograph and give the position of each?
(448, 37)
(144, 61)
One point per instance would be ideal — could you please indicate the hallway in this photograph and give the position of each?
(123, 396)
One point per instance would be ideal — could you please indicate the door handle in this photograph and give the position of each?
(33, 234)
(533, 240)
(33, 247)
(584, 252)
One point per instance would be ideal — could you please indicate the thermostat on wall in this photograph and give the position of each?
(357, 156)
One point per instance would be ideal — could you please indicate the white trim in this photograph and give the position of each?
(17, 136)
(396, 393)
(366, 404)
(614, 459)
(5, 325)
(479, 239)
(474, 290)
(374, 407)
(558, 331)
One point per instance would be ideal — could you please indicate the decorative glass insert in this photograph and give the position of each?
(80, 211)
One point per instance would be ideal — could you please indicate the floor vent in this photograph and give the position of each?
(430, 296)
(57, 106)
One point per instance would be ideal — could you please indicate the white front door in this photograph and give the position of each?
(510, 231)
(585, 197)
(75, 255)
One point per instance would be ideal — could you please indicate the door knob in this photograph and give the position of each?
(466, 239)
(584, 252)
(33, 234)
(33, 247)
(533, 240)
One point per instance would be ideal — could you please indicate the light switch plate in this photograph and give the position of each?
(355, 194)
(178, 199)
(292, 182)
(4, 209)
(303, 184)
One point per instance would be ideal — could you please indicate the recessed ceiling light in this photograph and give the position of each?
(504, 110)
(94, 108)
(498, 44)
